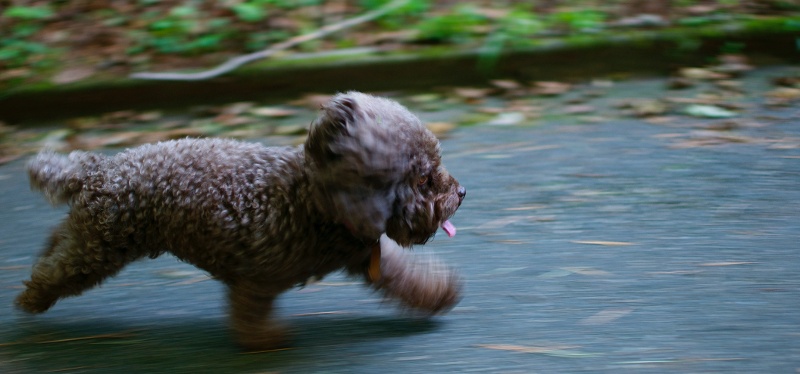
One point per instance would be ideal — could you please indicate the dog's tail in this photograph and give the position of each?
(60, 177)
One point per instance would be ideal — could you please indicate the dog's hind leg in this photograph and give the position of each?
(68, 266)
(250, 313)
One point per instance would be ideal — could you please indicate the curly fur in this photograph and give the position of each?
(260, 219)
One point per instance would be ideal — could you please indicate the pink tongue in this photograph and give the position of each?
(449, 228)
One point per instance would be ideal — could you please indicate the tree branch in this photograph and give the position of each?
(289, 43)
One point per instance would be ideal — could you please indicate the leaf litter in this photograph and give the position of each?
(505, 102)
(602, 243)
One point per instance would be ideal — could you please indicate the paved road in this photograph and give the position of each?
(586, 247)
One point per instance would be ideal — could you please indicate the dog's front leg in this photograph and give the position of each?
(250, 313)
(419, 282)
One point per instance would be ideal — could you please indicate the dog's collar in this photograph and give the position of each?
(374, 270)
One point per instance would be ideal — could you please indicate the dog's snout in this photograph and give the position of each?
(462, 192)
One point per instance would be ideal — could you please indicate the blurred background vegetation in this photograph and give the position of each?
(66, 41)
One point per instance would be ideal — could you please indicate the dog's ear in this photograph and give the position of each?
(333, 121)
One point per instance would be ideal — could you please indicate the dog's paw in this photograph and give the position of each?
(433, 293)
(33, 302)
(270, 338)
(418, 282)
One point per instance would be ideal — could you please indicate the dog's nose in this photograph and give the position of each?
(462, 192)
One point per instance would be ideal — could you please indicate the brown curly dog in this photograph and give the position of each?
(260, 219)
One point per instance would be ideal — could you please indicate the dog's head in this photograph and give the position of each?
(377, 169)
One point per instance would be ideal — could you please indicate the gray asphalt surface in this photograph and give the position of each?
(596, 247)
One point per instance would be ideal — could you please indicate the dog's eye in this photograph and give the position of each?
(423, 179)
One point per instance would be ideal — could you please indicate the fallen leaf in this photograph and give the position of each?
(491, 110)
(587, 271)
(425, 98)
(90, 142)
(709, 111)
(507, 119)
(578, 109)
(722, 126)
(525, 349)
(526, 207)
(157, 136)
(728, 263)
(555, 351)
(14, 267)
(787, 81)
(731, 64)
(440, 128)
(177, 274)
(717, 137)
(730, 85)
(558, 273)
(73, 75)
(784, 93)
(644, 107)
(506, 84)
(290, 130)
(194, 280)
(472, 95)
(679, 83)
(682, 360)
(335, 312)
(312, 101)
(232, 120)
(602, 83)
(545, 88)
(606, 316)
(701, 74)
(272, 112)
(676, 272)
(501, 271)
(601, 242)
(236, 108)
(659, 120)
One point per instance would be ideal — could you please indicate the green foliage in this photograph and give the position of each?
(251, 11)
(288, 4)
(28, 12)
(520, 26)
(16, 53)
(16, 47)
(260, 40)
(401, 17)
(732, 48)
(516, 28)
(413, 7)
(451, 27)
(579, 20)
(184, 30)
(792, 25)
(696, 21)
